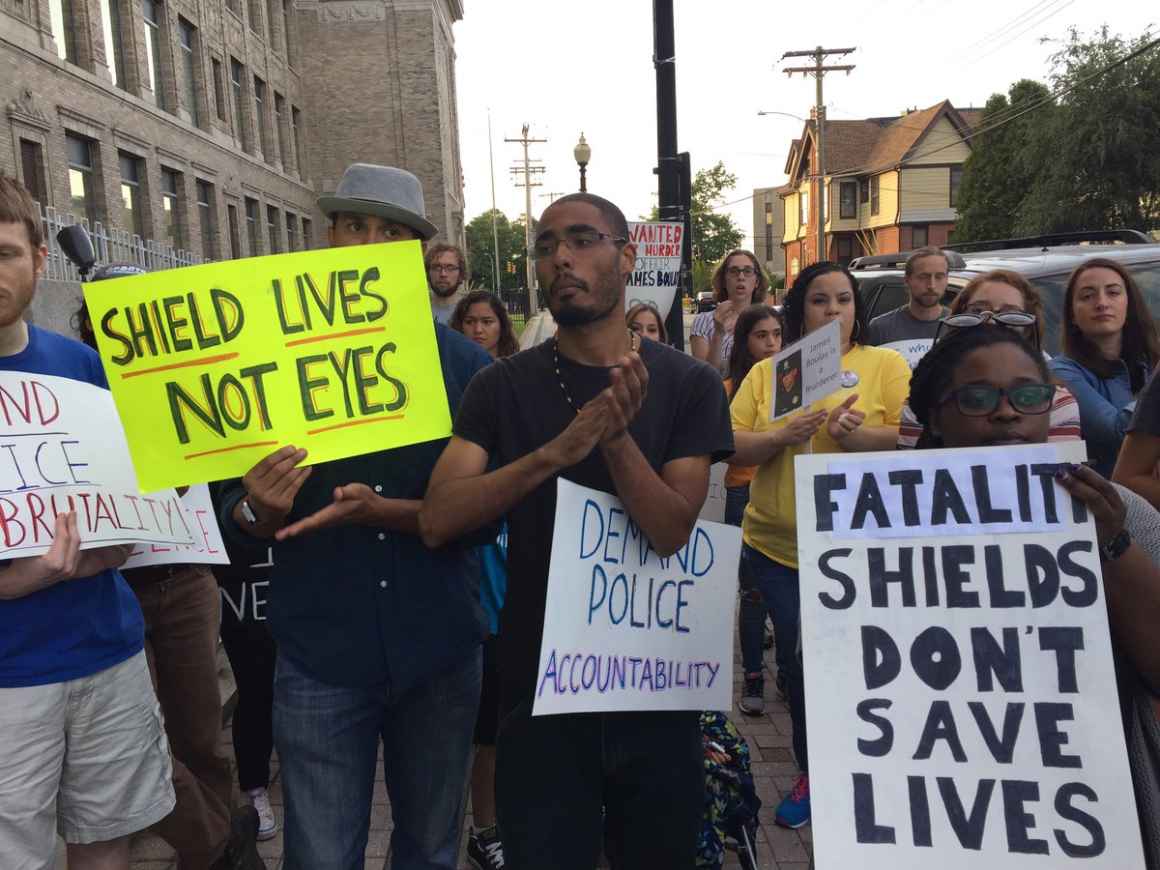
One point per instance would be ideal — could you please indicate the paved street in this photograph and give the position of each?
(773, 770)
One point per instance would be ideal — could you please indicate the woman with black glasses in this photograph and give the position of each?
(738, 283)
(981, 387)
(1001, 298)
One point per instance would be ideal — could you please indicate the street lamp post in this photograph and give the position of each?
(583, 153)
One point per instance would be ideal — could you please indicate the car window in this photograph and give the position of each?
(1053, 289)
(882, 295)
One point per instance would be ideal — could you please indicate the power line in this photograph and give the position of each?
(1050, 14)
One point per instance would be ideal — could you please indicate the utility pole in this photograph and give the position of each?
(674, 201)
(818, 71)
(528, 170)
(494, 230)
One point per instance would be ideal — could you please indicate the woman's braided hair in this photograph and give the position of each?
(936, 370)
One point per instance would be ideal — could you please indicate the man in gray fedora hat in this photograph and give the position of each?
(378, 636)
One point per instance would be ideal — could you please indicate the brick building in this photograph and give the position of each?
(206, 129)
(891, 184)
(768, 229)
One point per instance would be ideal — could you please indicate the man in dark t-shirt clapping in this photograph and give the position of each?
(611, 411)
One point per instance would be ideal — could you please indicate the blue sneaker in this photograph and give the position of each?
(794, 809)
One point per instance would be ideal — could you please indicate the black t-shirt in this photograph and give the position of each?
(1147, 416)
(516, 406)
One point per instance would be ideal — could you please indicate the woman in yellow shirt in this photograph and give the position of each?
(862, 415)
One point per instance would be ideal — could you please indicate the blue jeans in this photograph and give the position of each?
(780, 588)
(751, 612)
(328, 741)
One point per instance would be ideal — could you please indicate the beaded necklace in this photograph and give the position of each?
(634, 346)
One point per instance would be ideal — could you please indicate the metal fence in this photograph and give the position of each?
(110, 245)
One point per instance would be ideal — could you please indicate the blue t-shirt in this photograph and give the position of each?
(78, 627)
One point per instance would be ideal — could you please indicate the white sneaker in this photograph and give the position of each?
(267, 824)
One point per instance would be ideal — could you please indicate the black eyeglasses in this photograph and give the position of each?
(1016, 320)
(979, 400)
(576, 240)
(737, 271)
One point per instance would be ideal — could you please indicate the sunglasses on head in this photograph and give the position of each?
(1016, 320)
(979, 400)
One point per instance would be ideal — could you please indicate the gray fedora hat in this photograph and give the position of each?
(385, 191)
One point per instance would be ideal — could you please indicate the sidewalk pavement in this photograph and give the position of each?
(774, 773)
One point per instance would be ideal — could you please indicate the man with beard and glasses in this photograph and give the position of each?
(910, 329)
(602, 408)
(446, 272)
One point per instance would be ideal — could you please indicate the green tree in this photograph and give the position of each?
(480, 251)
(1000, 168)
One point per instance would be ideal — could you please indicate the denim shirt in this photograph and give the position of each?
(1105, 408)
(360, 606)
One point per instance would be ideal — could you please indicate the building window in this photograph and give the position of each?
(237, 75)
(291, 232)
(82, 184)
(299, 141)
(272, 229)
(804, 208)
(64, 28)
(307, 229)
(256, 16)
(919, 236)
(956, 183)
(187, 37)
(235, 232)
(847, 199)
(844, 249)
(171, 207)
(114, 46)
(152, 13)
(288, 31)
(863, 190)
(132, 212)
(219, 90)
(32, 168)
(252, 232)
(280, 121)
(206, 219)
(874, 194)
(768, 231)
(263, 119)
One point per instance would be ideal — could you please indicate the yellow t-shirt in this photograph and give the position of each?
(737, 475)
(770, 524)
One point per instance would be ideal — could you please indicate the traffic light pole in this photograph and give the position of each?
(672, 168)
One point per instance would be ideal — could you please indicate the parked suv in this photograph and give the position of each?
(1046, 261)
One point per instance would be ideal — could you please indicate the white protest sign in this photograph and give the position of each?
(713, 511)
(627, 630)
(207, 547)
(657, 274)
(62, 448)
(807, 370)
(960, 691)
(912, 350)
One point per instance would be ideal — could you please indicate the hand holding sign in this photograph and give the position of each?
(843, 420)
(800, 429)
(63, 561)
(1101, 498)
(353, 505)
(272, 484)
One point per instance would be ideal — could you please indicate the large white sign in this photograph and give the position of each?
(807, 370)
(62, 448)
(713, 510)
(207, 547)
(627, 630)
(657, 274)
(960, 691)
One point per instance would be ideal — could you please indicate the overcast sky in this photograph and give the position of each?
(563, 67)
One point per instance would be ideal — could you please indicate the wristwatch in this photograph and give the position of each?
(1116, 547)
(248, 512)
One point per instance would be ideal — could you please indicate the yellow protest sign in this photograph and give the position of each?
(214, 366)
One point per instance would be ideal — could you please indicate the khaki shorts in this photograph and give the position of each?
(87, 758)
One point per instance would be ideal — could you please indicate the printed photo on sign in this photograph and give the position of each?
(625, 629)
(64, 450)
(807, 371)
(215, 366)
(961, 699)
